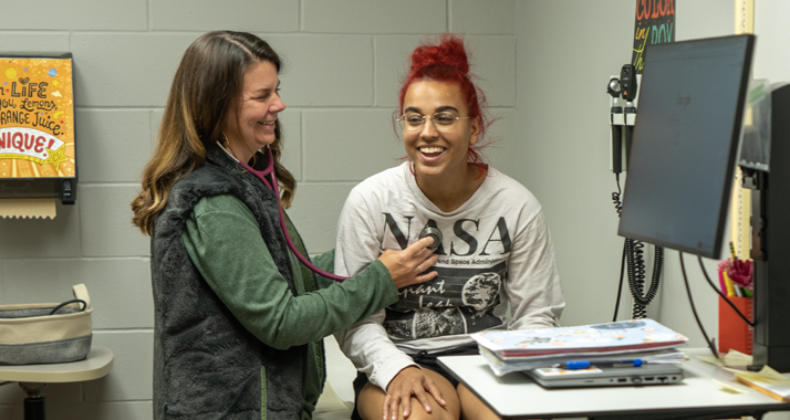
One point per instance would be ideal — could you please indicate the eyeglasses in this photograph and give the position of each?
(441, 120)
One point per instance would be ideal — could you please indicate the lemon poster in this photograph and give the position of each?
(36, 118)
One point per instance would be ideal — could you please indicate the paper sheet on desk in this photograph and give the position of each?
(28, 208)
(732, 359)
(727, 387)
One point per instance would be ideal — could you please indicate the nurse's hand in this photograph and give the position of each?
(409, 266)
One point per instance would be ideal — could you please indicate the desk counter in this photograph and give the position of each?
(516, 396)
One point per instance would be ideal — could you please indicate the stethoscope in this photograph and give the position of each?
(433, 232)
(269, 171)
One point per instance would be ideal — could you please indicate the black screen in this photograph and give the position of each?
(685, 141)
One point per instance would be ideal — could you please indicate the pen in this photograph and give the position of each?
(584, 364)
(732, 288)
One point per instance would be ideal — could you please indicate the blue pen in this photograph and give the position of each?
(584, 364)
(574, 365)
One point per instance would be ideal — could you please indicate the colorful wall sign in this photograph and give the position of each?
(36, 118)
(655, 24)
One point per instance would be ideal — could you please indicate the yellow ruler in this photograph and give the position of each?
(740, 208)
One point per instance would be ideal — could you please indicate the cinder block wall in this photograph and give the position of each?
(343, 60)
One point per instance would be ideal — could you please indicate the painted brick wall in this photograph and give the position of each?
(343, 60)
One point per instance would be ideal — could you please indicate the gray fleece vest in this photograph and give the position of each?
(206, 364)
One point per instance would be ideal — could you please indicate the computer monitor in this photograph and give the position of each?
(685, 142)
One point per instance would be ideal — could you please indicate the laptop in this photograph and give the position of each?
(655, 374)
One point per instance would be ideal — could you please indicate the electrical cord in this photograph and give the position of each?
(637, 280)
(618, 205)
(716, 289)
(620, 286)
(636, 276)
(694, 308)
(633, 253)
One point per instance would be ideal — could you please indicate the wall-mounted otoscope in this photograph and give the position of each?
(624, 91)
(628, 82)
(434, 233)
(615, 89)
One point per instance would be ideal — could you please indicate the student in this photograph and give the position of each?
(238, 319)
(496, 251)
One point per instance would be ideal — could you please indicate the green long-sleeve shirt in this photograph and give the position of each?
(223, 240)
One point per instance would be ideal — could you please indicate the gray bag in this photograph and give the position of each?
(47, 332)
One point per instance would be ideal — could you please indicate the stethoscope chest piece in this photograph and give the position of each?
(435, 233)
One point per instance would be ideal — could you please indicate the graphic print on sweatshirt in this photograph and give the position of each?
(472, 270)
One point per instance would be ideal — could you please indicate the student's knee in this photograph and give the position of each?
(437, 411)
(372, 409)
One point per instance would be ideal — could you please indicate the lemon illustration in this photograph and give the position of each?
(10, 73)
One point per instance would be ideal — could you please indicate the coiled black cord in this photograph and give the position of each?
(634, 256)
(636, 276)
(618, 205)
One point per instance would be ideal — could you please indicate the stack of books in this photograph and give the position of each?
(636, 342)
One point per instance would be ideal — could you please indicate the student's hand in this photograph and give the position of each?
(408, 267)
(408, 382)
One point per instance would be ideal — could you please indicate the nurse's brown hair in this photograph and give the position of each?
(208, 80)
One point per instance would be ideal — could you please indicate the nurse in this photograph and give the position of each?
(239, 320)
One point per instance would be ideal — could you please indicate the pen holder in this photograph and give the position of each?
(734, 333)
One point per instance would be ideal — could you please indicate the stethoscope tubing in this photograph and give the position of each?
(273, 186)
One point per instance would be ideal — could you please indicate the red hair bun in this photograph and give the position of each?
(450, 52)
